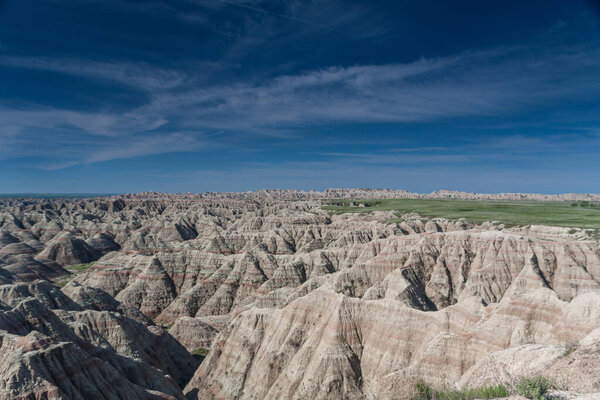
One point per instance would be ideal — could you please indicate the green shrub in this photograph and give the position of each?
(534, 388)
(200, 351)
(425, 392)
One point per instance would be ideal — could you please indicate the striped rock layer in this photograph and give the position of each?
(293, 303)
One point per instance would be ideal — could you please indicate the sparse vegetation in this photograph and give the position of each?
(166, 327)
(62, 283)
(356, 203)
(79, 268)
(569, 349)
(534, 388)
(509, 213)
(594, 233)
(74, 270)
(586, 204)
(470, 256)
(426, 392)
(200, 351)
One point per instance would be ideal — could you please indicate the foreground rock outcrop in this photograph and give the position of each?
(53, 348)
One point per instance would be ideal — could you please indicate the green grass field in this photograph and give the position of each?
(510, 213)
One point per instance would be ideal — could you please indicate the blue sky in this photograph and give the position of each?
(218, 95)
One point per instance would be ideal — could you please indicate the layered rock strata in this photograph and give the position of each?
(293, 303)
(53, 348)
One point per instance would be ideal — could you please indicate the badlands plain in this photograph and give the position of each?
(281, 295)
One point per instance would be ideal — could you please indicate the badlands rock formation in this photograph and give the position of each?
(293, 303)
(55, 348)
(362, 194)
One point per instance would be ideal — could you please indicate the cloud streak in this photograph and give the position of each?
(137, 75)
(485, 83)
(133, 147)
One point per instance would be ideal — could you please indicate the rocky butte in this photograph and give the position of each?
(267, 295)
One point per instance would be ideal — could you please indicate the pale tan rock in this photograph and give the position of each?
(194, 333)
(296, 303)
(67, 249)
(53, 349)
(35, 367)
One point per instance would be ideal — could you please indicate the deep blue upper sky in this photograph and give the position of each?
(212, 95)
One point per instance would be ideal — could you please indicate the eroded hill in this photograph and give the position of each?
(291, 302)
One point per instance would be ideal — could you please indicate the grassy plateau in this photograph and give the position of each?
(510, 213)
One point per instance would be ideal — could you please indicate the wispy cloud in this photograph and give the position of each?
(132, 147)
(428, 155)
(494, 82)
(102, 123)
(139, 75)
(482, 83)
(153, 8)
(340, 17)
(284, 16)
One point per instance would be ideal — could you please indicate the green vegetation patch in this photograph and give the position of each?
(586, 204)
(534, 388)
(74, 270)
(79, 268)
(510, 213)
(426, 392)
(200, 351)
(166, 327)
(62, 283)
(569, 349)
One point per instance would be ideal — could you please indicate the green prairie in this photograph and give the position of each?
(510, 213)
